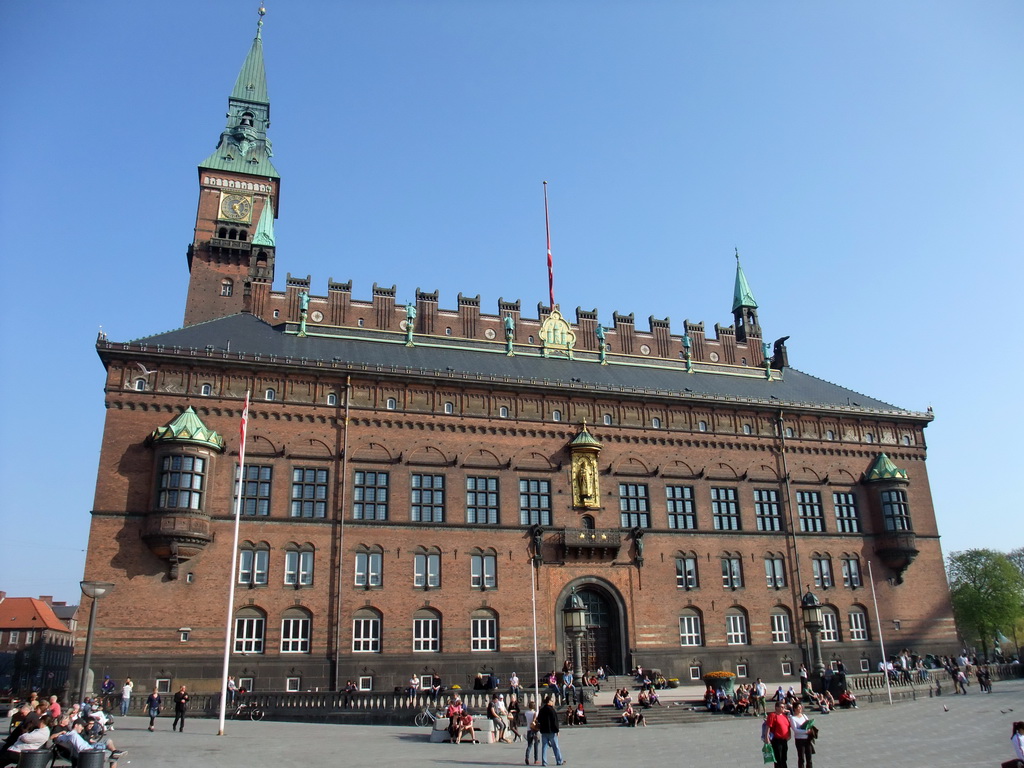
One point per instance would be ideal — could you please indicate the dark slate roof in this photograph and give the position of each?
(244, 334)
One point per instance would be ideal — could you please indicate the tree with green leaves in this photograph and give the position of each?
(987, 589)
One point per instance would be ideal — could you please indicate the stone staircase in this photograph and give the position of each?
(672, 711)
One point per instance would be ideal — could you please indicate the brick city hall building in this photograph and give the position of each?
(414, 475)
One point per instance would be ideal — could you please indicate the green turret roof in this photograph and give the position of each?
(742, 296)
(585, 438)
(265, 228)
(187, 428)
(244, 146)
(884, 469)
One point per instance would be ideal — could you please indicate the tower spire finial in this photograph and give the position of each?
(259, 24)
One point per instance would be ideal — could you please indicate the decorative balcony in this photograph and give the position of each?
(897, 549)
(590, 543)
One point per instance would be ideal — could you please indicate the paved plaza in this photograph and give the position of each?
(946, 732)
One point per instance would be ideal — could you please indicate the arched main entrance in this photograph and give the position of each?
(604, 642)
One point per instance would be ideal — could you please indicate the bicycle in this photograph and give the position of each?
(244, 710)
(426, 717)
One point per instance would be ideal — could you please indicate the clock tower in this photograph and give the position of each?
(231, 259)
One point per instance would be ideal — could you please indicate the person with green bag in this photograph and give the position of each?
(777, 731)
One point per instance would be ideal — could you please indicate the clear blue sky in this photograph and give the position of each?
(865, 157)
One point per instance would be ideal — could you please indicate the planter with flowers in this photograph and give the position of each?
(720, 679)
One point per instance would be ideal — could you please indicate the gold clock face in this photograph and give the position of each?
(235, 207)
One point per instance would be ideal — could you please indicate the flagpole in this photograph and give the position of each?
(536, 663)
(878, 623)
(234, 564)
(551, 266)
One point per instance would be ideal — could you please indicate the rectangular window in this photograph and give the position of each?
(775, 572)
(634, 511)
(309, 492)
(369, 569)
(767, 509)
(483, 571)
(822, 567)
(482, 500)
(163, 685)
(366, 635)
(686, 573)
(426, 571)
(787, 668)
(249, 635)
(741, 670)
(896, 511)
(847, 519)
(181, 482)
(13, 636)
(695, 673)
(865, 665)
(858, 626)
(851, 572)
(370, 496)
(30, 637)
(810, 511)
(366, 683)
(426, 635)
(736, 629)
(254, 567)
(293, 684)
(689, 630)
(295, 635)
(681, 511)
(427, 499)
(298, 568)
(732, 572)
(780, 628)
(484, 635)
(725, 510)
(255, 490)
(829, 627)
(534, 502)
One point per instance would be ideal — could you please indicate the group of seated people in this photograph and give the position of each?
(575, 714)
(70, 733)
(632, 716)
(460, 722)
(739, 702)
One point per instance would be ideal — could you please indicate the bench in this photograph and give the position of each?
(482, 725)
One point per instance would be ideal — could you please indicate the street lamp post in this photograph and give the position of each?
(811, 607)
(95, 590)
(575, 615)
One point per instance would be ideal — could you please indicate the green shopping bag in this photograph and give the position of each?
(768, 754)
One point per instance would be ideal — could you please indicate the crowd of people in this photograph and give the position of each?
(37, 725)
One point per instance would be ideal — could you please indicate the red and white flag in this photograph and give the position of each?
(551, 265)
(242, 430)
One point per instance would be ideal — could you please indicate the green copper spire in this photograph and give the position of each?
(583, 437)
(742, 296)
(265, 228)
(884, 469)
(244, 146)
(187, 428)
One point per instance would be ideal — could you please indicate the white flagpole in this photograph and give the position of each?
(234, 565)
(878, 623)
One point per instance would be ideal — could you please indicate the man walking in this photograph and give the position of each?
(776, 731)
(180, 707)
(547, 724)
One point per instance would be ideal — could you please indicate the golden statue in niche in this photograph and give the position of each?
(586, 491)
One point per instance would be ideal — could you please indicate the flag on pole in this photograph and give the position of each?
(242, 431)
(551, 266)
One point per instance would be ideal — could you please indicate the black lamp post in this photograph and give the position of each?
(575, 616)
(95, 590)
(811, 607)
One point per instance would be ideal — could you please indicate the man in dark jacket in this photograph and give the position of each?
(547, 724)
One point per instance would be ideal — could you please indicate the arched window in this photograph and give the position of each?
(447, 331)
(206, 390)
(222, 233)
(298, 565)
(702, 426)
(906, 439)
(656, 423)
(296, 630)
(250, 628)
(247, 118)
(747, 429)
(821, 565)
(366, 627)
(391, 404)
(781, 625)
(369, 568)
(426, 631)
(607, 419)
(426, 568)
(736, 627)
(869, 438)
(484, 630)
(227, 287)
(829, 625)
(687, 576)
(503, 412)
(332, 399)
(587, 521)
(690, 627)
(483, 569)
(789, 432)
(775, 570)
(361, 322)
(830, 435)
(140, 385)
(556, 415)
(254, 563)
(270, 394)
(233, 234)
(449, 408)
(858, 623)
